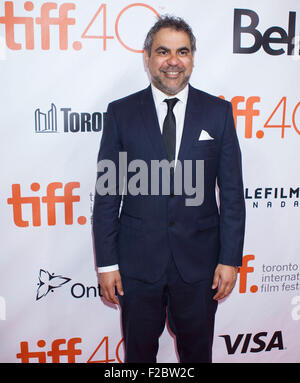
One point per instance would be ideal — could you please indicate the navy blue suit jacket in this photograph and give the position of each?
(152, 227)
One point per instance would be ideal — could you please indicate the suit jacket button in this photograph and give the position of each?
(171, 223)
(171, 195)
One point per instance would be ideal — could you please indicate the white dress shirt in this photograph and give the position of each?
(161, 110)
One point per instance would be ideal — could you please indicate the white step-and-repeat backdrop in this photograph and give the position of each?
(60, 64)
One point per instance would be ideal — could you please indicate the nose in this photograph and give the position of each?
(173, 60)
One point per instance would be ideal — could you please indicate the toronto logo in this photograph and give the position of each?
(46, 122)
(49, 121)
(49, 282)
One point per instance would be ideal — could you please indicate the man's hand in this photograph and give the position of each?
(224, 278)
(108, 281)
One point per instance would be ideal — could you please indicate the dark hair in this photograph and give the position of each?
(172, 22)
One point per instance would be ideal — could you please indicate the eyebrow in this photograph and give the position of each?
(168, 49)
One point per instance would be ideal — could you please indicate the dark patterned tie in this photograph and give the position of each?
(169, 129)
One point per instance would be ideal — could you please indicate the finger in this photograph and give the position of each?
(104, 293)
(108, 294)
(215, 281)
(112, 296)
(224, 290)
(219, 296)
(119, 287)
(221, 292)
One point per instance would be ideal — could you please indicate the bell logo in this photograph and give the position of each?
(258, 340)
(17, 200)
(264, 40)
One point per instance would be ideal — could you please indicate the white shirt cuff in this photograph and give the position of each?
(106, 269)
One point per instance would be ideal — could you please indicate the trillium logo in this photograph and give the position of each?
(49, 282)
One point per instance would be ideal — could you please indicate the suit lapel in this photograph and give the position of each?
(151, 122)
(193, 123)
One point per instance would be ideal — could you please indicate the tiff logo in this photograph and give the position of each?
(55, 353)
(51, 199)
(247, 111)
(2, 308)
(10, 20)
(244, 270)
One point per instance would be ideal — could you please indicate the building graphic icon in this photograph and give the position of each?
(46, 123)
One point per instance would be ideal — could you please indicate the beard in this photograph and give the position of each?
(168, 89)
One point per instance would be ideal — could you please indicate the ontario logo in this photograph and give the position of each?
(49, 282)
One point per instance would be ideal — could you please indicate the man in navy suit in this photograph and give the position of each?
(163, 253)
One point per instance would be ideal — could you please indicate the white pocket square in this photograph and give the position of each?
(204, 136)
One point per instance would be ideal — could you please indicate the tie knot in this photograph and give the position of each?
(171, 102)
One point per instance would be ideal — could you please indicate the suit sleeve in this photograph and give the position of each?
(232, 203)
(106, 206)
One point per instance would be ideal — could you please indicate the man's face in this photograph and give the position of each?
(171, 61)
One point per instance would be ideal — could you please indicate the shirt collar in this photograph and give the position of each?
(159, 96)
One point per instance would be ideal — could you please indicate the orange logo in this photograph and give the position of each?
(277, 119)
(248, 112)
(50, 199)
(55, 353)
(62, 21)
(244, 270)
(63, 348)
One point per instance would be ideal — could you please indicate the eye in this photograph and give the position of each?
(183, 52)
(162, 52)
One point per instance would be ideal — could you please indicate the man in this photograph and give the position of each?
(160, 253)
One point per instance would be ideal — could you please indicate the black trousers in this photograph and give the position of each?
(191, 315)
